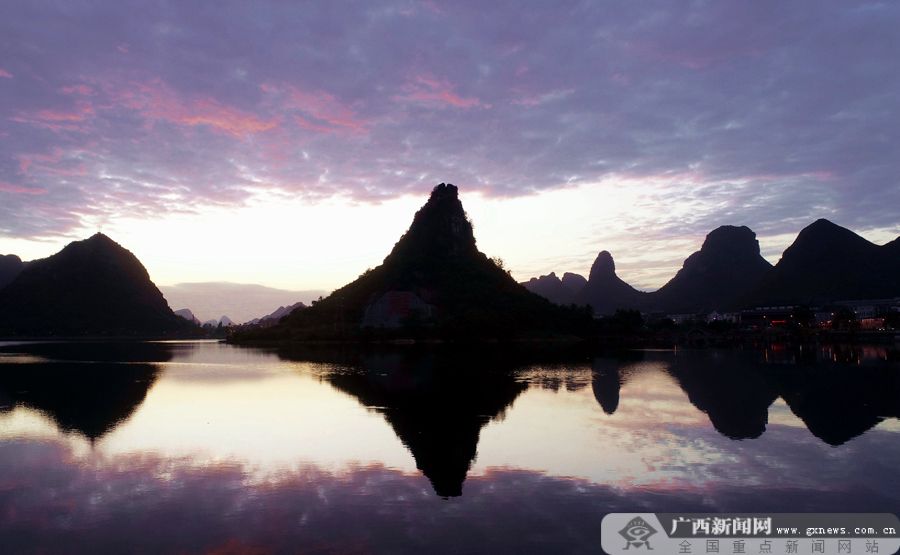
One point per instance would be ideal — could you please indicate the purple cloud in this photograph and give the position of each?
(759, 113)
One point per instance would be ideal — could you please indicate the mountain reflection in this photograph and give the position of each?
(435, 401)
(838, 404)
(77, 386)
(838, 392)
(608, 376)
(733, 393)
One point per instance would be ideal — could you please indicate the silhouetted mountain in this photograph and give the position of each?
(551, 288)
(560, 291)
(827, 263)
(892, 249)
(726, 268)
(10, 267)
(606, 292)
(574, 282)
(91, 287)
(434, 283)
(277, 314)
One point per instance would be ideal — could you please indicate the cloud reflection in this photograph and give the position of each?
(147, 504)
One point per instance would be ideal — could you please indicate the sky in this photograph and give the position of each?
(289, 144)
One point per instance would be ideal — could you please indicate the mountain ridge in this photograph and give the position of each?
(93, 286)
(825, 263)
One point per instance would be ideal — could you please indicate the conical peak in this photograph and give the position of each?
(603, 266)
(822, 223)
(98, 244)
(440, 227)
(824, 228)
(823, 239)
(100, 237)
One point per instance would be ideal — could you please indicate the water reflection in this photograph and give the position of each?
(732, 391)
(436, 402)
(837, 401)
(84, 388)
(839, 404)
(153, 504)
(243, 450)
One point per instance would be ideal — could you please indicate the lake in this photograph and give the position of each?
(202, 447)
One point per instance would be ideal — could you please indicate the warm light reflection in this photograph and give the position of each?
(213, 404)
(273, 421)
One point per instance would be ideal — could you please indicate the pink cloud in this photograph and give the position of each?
(80, 114)
(58, 119)
(319, 111)
(6, 74)
(54, 163)
(19, 190)
(427, 89)
(155, 100)
(77, 90)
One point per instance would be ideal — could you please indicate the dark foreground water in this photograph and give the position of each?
(207, 448)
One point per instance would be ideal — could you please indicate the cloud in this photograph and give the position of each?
(98, 503)
(19, 190)
(315, 110)
(156, 101)
(763, 113)
(432, 91)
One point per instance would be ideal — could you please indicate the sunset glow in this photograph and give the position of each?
(631, 130)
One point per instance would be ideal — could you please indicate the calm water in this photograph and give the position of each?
(207, 448)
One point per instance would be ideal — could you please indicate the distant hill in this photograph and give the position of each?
(560, 291)
(241, 301)
(276, 315)
(91, 287)
(573, 282)
(223, 321)
(828, 263)
(10, 266)
(605, 292)
(551, 288)
(187, 315)
(434, 283)
(724, 270)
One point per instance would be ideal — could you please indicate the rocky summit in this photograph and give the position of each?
(605, 291)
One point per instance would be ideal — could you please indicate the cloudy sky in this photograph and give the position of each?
(289, 144)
